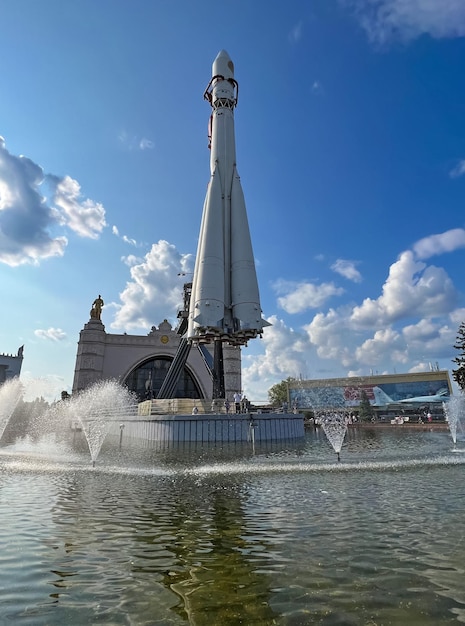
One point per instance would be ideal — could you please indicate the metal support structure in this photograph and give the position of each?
(168, 388)
(218, 370)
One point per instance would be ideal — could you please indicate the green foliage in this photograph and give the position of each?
(277, 394)
(459, 374)
(365, 410)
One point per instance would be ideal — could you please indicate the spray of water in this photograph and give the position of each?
(454, 410)
(10, 393)
(335, 428)
(330, 413)
(96, 408)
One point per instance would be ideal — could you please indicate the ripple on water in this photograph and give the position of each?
(280, 537)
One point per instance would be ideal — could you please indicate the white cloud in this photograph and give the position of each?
(373, 350)
(411, 289)
(380, 333)
(132, 259)
(285, 353)
(353, 352)
(347, 269)
(25, 217)
(155, 289)
(458, 170)
(133, 142)
(433, 245)
(329, 334)
(28, 217)
(422, 366)
(423, 330)
(384, 20)
(84, 216)
(411, 325)
(53, 334)
(428, 337)
(457, 316)
(125, 238)
(302, 296)
(146, 144)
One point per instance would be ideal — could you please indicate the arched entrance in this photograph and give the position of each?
(146, 379)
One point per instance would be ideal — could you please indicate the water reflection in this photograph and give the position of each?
(182, 542)
(206, 537)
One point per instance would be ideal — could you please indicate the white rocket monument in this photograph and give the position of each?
(225, 301)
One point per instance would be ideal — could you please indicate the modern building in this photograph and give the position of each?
(390, 392)
(10, 365)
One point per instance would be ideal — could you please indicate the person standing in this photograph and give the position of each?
(237, 401)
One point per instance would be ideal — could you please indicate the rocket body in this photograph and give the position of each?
(225, 302)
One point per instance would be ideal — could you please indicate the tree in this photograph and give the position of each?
(277, 394)
(459, 374)
(365, 410)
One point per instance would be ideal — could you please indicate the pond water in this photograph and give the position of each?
(283, 535)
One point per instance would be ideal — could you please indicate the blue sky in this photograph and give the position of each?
(350, 132)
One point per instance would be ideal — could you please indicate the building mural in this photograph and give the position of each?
(409, 389)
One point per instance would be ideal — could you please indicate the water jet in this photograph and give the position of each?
(454, 411)
(155, 530)
(11, 392)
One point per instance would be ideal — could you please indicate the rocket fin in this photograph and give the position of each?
(207, 297)
(244, 285)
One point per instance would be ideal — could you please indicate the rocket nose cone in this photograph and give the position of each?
(223, 65)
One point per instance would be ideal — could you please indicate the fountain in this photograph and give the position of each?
(97, 409)
(454, 410)
(11, 392)
(172, 533)
(335, 427)
(333, 420)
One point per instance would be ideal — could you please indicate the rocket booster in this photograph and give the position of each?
(225, 302)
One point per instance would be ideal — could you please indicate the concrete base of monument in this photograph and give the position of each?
(212, 428)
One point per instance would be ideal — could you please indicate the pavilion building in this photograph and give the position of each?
(141, 362)
(10, 365)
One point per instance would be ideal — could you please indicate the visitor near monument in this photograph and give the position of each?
(237, 401)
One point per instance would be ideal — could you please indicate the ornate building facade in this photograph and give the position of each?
(141, 362)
